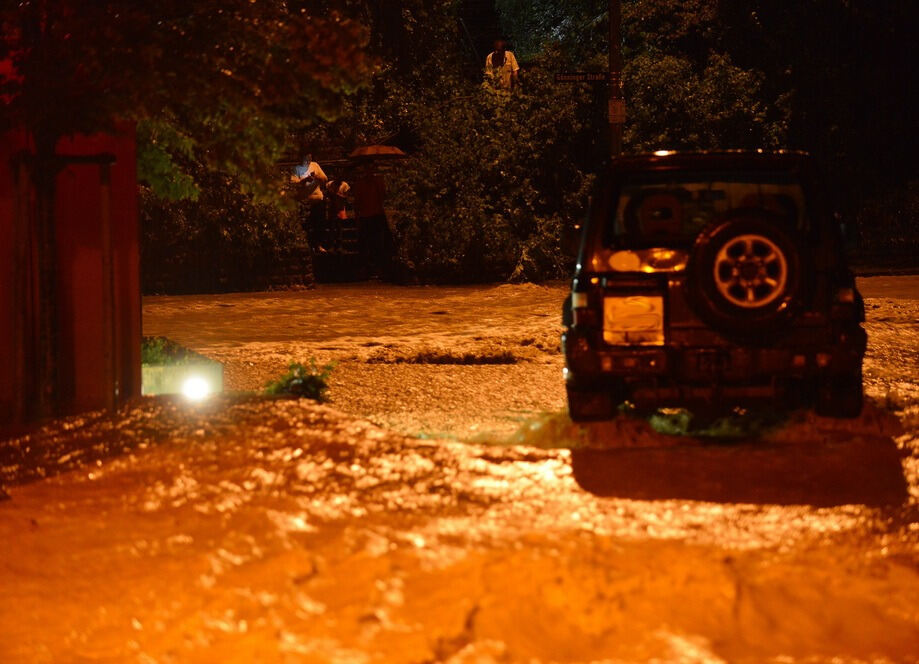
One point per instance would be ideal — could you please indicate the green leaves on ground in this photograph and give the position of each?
(305, 382)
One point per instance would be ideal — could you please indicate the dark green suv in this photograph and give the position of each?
(712, 281)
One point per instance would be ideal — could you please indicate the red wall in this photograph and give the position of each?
(100, 345)
(17, 289)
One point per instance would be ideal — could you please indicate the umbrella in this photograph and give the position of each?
(378, 152)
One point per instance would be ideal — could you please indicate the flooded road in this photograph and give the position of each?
(420, 360)
(246, 529)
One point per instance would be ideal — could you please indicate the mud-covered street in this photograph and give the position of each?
(443, 508)
(423, 360)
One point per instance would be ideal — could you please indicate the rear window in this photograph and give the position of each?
(669, 209)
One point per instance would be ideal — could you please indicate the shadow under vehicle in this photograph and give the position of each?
(712, 281)
(866, 471)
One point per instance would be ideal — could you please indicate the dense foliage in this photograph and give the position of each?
(896, 212)
(496, 179)
(221, 79)
(226, 87)
(165, 351)
(417, 46)
(223, 240)
(494, 182)
(828, 76)
(493, 178)
(683, 88)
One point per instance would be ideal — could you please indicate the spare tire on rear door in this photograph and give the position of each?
(745, 276)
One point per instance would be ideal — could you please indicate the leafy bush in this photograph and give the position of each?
(494, 178)
(303, 382)
(683, 86)
(222, 241)
(499, 176)
(495, 181)
(887, 224)
(739, 424)
(676, 104)
(160, 350)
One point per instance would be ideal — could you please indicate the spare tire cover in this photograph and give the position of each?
(745, 276)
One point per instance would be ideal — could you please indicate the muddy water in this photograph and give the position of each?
(256, 335)
(248, 530)
(389, 345)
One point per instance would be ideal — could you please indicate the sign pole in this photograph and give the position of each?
(616, 101)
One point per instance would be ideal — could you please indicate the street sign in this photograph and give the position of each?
(617, 111)
(582, 77)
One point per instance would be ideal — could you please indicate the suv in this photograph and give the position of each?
(712, 281)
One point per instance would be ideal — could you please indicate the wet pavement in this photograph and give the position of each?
(420, 360)
(249, 529)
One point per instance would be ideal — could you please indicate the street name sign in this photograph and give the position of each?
(582, 77)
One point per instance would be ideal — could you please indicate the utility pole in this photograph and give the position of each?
(616, 101)
(613, 78)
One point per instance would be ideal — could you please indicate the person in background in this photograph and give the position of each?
(374, 237)
(309, 179)
(337, 191)
(501, 68)
(337, 195)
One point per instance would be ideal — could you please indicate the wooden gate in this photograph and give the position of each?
(97, 320)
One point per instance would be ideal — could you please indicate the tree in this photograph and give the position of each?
(491, 181)
(226, 77)
(496, 179)
(220, 78)
(578, 28)
(828, 76)
(683, 88)
(675, 104)
(417, 44)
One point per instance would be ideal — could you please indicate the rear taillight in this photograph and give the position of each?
(581, 313)
(585, 317)
(845, 295)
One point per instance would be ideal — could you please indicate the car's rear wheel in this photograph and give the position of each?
(592, 404)
(745, 276)
(840, 396)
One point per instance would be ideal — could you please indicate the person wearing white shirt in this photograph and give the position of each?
(309, 179)
(501, 67)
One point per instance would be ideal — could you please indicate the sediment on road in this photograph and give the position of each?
(252, 529)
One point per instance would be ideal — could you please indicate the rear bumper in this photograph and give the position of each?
(690, 374)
